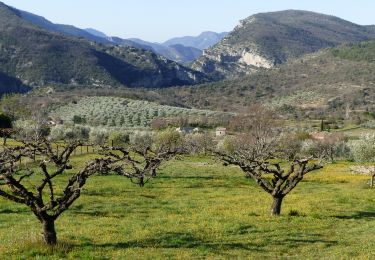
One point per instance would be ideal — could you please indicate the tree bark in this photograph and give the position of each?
(141, 182)
(153, 174)
(49, 232)
(276, 205)
(372, 180)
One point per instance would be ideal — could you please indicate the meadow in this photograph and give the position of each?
(197, 208)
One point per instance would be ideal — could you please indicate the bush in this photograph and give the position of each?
(363, 149)
(119, 138)
(57, 133)
(98, 136)
(333, 146)
(79, 120)
(30, 130)
(199, 143)
(167, 139)
(5, 121)
(70, 133)
(141, 140)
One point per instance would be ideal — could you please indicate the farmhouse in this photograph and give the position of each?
(221, 131)
(319, 135)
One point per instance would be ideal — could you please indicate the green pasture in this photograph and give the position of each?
(197, 209)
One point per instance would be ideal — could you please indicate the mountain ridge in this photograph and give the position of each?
(31, 56)
(97, 36)
(266, 39)
(189, 47)
(202, 41)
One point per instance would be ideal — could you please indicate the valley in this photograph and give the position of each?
(246, 141)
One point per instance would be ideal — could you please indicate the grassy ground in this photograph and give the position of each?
(357, 131)
(199, 210)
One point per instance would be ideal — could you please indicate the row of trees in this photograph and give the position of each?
(277, 160)
(257, 151)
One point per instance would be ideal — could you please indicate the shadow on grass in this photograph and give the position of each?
(13, 211)
(359, 215)
(170, 240)
(295, 242)
(188, 177)
(178, 240)
(187, 240)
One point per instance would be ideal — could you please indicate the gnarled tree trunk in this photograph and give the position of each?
(276, 205)
(49, 232)
(153, 172)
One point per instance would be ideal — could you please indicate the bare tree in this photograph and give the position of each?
(331, 146)
(37, 189)
(258, 132)
(254, 151)
(139, 166)
(281, 182)
(147, 154)
(199, 143)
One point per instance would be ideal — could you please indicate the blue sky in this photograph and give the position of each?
(159, 20)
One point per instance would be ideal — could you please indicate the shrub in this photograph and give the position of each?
(363, 149)
(5, 121)
(98, 136)
(118, 138)
(141, 140)
(70, 133)
(57, 133)
(79, 120)
(167, 139)
(30, 130)
(199, 143)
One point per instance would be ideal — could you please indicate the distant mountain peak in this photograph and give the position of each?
(96, 32)
(266, 39)
(203, 41)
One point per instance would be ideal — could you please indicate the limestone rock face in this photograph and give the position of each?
(267, 39)
(252, 59)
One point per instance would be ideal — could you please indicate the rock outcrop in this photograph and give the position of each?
(266, 39)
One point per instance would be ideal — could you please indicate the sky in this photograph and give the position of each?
(160, 20)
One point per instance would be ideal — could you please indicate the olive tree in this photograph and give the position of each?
(363, 150)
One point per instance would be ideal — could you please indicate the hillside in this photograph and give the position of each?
(329, 82)
(181, 55)
(122, 112)
(267, 39)
(31, 56)
(59, 28)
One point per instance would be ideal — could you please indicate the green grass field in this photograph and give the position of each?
(197, 208)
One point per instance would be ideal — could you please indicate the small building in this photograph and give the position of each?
(221, 131)
(319, 136)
